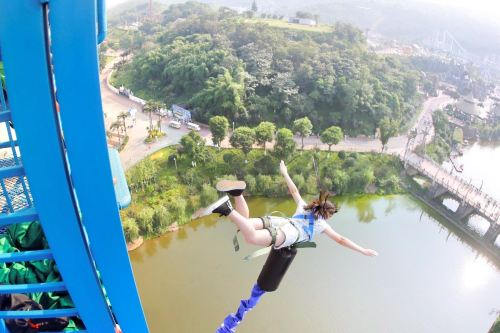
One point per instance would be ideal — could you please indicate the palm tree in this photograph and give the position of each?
(123, 116)
(161, 115)
(117, 126)
(150, 108)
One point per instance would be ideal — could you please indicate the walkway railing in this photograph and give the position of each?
(467, 192)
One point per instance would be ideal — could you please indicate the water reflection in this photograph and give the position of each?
(409, 280)
(165, 241)
(478, 224)
(182, 233)
(363, 206)
(477, 272)
(451, 204)
(391, 205)
(150, 248)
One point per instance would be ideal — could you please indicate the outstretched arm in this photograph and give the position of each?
(348, 243)
(291, 186)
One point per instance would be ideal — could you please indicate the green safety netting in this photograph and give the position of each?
(27, 237)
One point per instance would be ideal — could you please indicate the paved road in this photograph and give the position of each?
(136, 149)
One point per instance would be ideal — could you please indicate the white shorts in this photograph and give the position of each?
(291, 233)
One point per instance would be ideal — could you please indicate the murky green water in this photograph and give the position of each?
(425, 280)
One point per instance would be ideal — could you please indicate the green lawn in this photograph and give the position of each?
(285, 25)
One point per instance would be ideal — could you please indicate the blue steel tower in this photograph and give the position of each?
(57, 171)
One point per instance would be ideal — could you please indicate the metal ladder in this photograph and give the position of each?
(49, 49)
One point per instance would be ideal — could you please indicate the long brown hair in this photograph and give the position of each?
(321, 207)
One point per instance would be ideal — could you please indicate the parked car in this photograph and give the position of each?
(193, 126)
(174, 124)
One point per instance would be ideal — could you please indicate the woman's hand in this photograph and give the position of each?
(283, 169)
(370, 253)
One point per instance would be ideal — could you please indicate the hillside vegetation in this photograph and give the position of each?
(217, 62)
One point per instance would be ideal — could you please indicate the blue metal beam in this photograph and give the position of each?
(25, 215)
(74, 46)
(26, 256)
(23, 34)
(38, 314)
(32, 288)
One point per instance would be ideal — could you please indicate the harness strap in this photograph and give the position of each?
(310, 218)
(236, 244)
(304, 245)
(265, 222)
(273, 233)
(258, 253)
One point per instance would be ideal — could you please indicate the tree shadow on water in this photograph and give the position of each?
(392, 203)
(165, 241)
(211, 222)
(136, 256)
(150, 247)
(364, 209)
(182, 233)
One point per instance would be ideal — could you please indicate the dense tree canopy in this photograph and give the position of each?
(220, 63)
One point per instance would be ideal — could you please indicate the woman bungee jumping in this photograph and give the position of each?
(309, 219)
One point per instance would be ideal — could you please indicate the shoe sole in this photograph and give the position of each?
(230, 185)
(205, 211)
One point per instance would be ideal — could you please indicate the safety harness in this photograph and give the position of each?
(266, 224)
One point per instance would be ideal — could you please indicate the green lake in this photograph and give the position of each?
(425, 280)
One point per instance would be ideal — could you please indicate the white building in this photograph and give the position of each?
(302, 21)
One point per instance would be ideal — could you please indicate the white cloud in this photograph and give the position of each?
(489, 9)
(112, 3)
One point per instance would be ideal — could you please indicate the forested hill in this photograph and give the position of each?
(220, 63)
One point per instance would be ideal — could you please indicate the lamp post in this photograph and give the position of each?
(233, 126)
(175, 162)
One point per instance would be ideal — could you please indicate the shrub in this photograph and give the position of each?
(144, 220)
(160, 219)
(167, 183)
(340, 181)
(192, 204)
(235, 161)
(360, 180)
(130, 229)
(311, 185)
(279, 187)
(266, 165)
(190, 177)
(327, 183)
(251, 184)
(390, 184)
(349, 162)
(300, 182)
(177, 209)
(208, 194)
(264, 184)
(342, 155)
